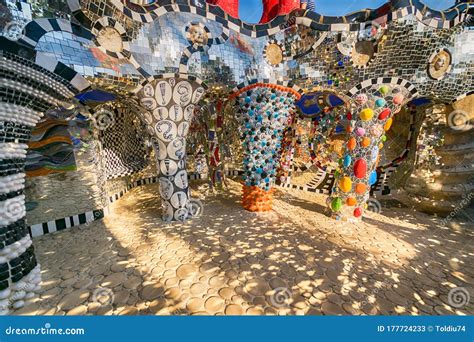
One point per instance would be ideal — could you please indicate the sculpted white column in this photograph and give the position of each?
(170, 104)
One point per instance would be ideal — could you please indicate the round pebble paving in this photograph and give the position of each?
(294, 260)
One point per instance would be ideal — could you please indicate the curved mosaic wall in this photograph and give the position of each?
(160, 59)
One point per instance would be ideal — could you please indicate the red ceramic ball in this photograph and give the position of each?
(358, 212)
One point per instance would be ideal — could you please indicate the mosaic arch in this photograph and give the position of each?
(166, 58)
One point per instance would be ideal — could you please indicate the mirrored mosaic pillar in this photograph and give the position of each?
(19, 270)
(370, 116)
(170, 104)
(265, 112)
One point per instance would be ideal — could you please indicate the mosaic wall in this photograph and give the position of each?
(122, 140)
(58, 195)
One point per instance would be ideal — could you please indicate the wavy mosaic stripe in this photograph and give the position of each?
(50, 149)
(351, 22)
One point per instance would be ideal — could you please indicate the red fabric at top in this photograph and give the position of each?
(229, 6)
(286, 6)
(270, 10)
(274, 8)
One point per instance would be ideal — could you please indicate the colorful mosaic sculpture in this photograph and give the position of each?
(266, 110)
(371, 114)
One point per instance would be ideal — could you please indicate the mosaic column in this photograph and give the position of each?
(265, 112)
(370, 116)
(27, 91)
(19, 271)
(170, 104)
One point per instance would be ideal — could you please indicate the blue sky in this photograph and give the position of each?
(251, 10)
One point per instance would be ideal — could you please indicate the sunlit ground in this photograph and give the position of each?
(293, 260)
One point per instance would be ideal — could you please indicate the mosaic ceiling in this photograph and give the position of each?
(119, 42)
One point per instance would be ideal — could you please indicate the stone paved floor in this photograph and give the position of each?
(293, 260)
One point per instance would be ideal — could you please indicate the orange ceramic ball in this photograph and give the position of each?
(351, 144)
(365, 142)
(351, 201)
(360, 188)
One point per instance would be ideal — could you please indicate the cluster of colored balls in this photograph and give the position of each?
(368, 120)
(256, 199)
(264, 114)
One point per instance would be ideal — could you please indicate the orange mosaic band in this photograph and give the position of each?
(256, 199)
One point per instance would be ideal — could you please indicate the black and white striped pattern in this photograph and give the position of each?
(352, 22)
(42, 68)
(187, 53)
(66, 222)
(392, 81)
(283, 51)
(463, 96)
(20, 107)
(321, 184)
(27, 90)
(105, 22)
(37, 28)
(382, 187)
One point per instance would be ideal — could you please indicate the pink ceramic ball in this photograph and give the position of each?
(376, 130)
(398, 99)
(362, 99)
(360, 131)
